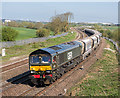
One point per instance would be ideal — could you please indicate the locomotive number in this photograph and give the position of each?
(69, 55)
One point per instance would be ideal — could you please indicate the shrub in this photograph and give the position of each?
(42, 32)
(35, 45)
(8, 34)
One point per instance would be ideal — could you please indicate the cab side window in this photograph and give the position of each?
(54, 59)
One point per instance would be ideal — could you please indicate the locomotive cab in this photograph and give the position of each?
(40, 66)
(39, 60)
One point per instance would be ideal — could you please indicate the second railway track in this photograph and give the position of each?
(13, 65)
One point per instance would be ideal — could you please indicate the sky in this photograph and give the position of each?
(60, 0)
(43, 11)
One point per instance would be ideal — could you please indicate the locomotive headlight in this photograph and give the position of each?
(32, 71)
(48, 71)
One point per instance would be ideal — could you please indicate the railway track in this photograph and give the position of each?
(34, 88)
(58, 87)
(13, 65)
(16, 79)
(14, 82)
(42, 90)
(21, 84)
(80, 34)
(65, 76)
(15, 72)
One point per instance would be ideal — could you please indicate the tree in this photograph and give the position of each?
(118, 36)
(31, 25)
(56, 25)
(97, 27)
(60, 23)
(38, 25)
(42, 32)
(48, 26)
(9, 34)
(115, 34)
(13, 24)
(109, 33)
(25, 23)
(65, 17)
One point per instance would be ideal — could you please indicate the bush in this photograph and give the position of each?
(116, 36)
(42, 32)
(9, 34)
(35, 45)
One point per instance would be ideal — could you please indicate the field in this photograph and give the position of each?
(110, 27)
(102, 79)
(27, 49)
(25, 33)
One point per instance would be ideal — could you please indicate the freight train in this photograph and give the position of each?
(48, 64)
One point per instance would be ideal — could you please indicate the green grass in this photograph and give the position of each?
(51, 33)
(25, 33)
(27, 49)
(102, 79)
(110, 27)
(111, 45)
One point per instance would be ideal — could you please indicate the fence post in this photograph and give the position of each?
(3, 52)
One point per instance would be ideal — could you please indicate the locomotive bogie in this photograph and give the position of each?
(87, 53)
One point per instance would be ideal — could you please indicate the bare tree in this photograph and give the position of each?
(60, 23)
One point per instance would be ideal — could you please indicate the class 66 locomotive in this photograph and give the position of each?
(48, 64)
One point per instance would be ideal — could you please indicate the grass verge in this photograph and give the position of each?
(102, 79)
(27, 49)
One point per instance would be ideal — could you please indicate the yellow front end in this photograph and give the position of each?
(40, 68)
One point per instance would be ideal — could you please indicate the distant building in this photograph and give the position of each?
(7, 20)
(108, 24)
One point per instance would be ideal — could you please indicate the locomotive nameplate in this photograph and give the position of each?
(69, 55)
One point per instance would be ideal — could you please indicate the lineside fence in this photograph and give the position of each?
(115, 43)
(27, 41)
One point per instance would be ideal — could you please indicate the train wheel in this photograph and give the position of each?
(58, 76)
(54, 76)
(40, 84)
(47, 82)
(62, 70)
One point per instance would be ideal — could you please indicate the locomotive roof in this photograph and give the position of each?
(62, 47)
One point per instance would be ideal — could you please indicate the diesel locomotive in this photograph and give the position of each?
(48, 64)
